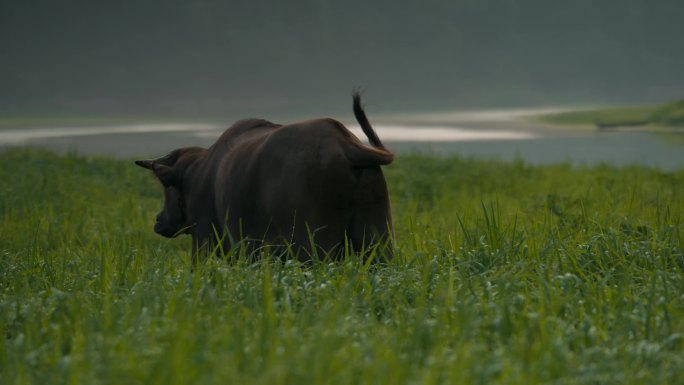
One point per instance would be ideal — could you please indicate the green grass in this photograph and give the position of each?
(667, 115)
(505, 273)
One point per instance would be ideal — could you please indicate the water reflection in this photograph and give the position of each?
(496, 134)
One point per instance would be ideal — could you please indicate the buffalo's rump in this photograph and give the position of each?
(302, 184)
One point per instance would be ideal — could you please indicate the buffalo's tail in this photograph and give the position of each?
(360, 115)
(362, 155)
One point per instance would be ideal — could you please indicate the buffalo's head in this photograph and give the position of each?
(173, 219)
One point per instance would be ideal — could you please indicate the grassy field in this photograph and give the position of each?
(667, 115)
(505, 273)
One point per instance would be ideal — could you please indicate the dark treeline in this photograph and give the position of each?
(210, 56)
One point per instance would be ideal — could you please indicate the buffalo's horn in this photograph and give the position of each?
(145, 163)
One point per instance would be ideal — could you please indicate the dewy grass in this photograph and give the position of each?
(504, 273)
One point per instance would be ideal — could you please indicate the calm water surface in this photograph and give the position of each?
(500, 134)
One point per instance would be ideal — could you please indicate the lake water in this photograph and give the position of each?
(500, 134)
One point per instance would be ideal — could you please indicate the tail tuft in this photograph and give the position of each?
(360, 115)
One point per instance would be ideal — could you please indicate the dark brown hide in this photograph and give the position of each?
(299, 185)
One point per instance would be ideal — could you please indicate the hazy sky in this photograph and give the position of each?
(210, 57)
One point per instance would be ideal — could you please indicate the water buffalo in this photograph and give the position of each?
(311, 186)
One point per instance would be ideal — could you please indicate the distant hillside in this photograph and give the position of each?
(666, 115)
(671, 114)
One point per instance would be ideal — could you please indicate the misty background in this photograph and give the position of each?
(242, 58)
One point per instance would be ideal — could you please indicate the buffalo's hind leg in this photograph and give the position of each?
(371, 225)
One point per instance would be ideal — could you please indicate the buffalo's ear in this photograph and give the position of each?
(164, 173)
(167, 160)
(147, 163)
